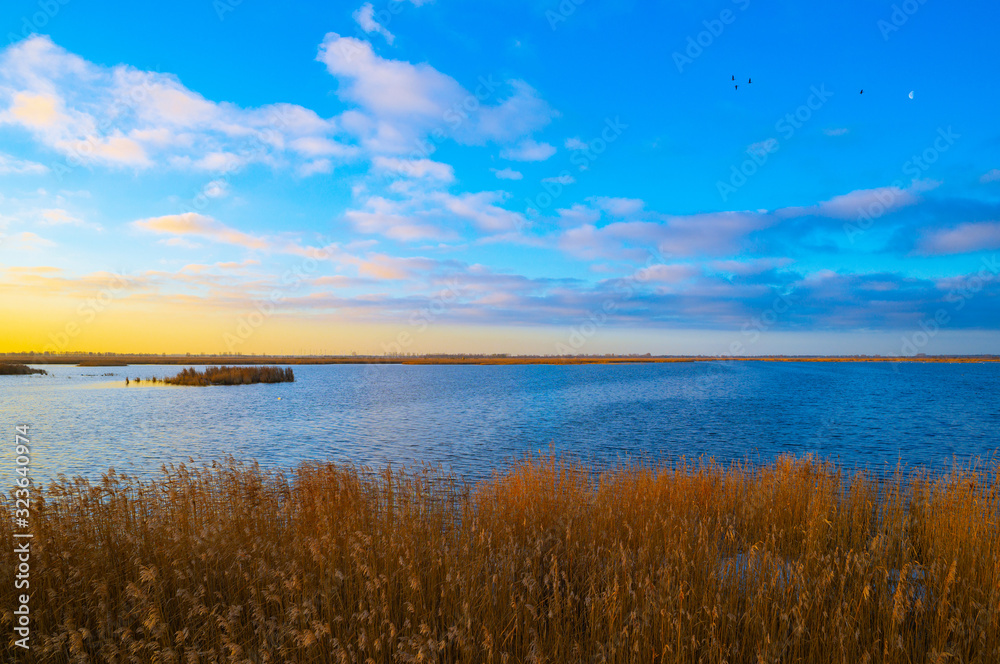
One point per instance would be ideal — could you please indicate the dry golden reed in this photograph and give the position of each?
(789, 562)
(232, 376)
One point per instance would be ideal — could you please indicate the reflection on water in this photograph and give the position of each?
(472, 419)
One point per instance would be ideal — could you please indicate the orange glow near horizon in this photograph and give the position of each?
(56, 322)
(59, 324)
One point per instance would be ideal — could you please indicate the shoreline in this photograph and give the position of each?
(456, 359)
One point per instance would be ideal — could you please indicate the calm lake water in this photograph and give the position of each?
(473, 419)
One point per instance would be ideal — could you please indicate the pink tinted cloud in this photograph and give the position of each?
(964, 238)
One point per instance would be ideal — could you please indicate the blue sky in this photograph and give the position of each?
(424, 176)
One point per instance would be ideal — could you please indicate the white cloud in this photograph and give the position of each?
(216, 189)
(575, 144)
(437, 215)
(663, 273)
(382, 266)
(415, 168)
(617, 207)
(114, 150)
(400, 102)
(122, 116)
(192, 224)
(320, 146)
(839, 131)
(528, 150)
(762, 148)
(991, 176)
(60, 217)
(11, 166)
(365, 17)
(851, 204)
(396, 220)
(560, 179)
(25, 241)
(481, 208)
(964, 238)
(507, 174)
(315, 167)
(578, 215)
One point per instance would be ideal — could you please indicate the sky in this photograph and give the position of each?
(425, 176)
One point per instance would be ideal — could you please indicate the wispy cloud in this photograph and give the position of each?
(11, 166)
(60, 217)
(126, 117)
(365, 17)
(415, 168)
(528, 150)
(192, 224)
(400, 102)
(964, 238)
(762, 148)
(26, 241)
(507, 173)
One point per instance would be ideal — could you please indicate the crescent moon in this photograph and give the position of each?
(911, 94)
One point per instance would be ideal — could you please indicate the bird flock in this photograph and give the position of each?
(736, 86)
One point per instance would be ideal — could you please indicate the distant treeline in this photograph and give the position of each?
(232, 376)
(111, 359)
(16, 369)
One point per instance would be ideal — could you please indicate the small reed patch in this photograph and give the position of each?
(18, 369)
(231, 376)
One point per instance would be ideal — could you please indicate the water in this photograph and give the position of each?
(474, 419)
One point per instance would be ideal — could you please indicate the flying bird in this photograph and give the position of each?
(862, 92)
(749, 80)
(734, 77)
(737, 87)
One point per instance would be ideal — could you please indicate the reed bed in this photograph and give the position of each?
(231, 376)
(18, 369)
(795, 561)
